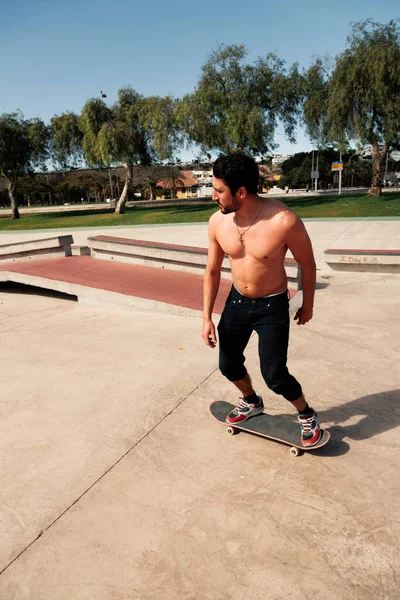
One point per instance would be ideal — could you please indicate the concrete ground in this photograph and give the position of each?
(116, 483)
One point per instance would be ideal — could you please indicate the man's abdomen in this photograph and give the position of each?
(256, 280)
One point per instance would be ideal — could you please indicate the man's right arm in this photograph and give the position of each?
(212, 278)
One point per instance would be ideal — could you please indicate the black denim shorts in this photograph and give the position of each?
(268, 316)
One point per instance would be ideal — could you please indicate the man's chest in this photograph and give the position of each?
(260, 243)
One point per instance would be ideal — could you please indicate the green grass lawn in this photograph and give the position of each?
(307, 207)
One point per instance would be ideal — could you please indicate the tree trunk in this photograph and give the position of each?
(377, 169)
(120, 208)
(151, 191)
(13, 199)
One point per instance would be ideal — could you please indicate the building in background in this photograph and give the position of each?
(278, 159)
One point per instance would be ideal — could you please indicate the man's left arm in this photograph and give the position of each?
(299, 243)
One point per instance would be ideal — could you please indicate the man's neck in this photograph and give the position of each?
(249, 208)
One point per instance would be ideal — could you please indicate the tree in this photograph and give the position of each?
(81, 184)
(296, 171)
(67, 138)
(359, 99)
(136, 130)
(172, 179)
(150, 176)
(237, 106)
(315, 91)
(35, 189)
(23, 147)
(357, 170)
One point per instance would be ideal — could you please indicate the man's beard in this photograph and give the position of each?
(227, 210)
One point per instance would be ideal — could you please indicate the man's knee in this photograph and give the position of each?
(284, 385)
(231, 370)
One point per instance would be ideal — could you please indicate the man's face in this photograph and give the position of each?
(227, 202)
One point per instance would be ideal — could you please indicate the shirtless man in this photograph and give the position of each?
(256, 233)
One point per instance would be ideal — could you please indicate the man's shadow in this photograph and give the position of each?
(369, 416)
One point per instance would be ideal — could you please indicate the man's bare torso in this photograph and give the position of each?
(257, 263)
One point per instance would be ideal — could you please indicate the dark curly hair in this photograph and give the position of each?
(236, 170)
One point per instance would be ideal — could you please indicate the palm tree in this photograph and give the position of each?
(172, 180)
(150, 177)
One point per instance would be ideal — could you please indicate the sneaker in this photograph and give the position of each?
(244, 411)
(310, 429)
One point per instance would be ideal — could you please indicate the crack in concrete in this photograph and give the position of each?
(27, 328)
(43, 531)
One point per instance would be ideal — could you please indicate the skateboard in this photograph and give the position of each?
(268, 426)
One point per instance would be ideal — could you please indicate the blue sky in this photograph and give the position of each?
(55, 55)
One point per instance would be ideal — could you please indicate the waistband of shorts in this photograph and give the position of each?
(237, 294)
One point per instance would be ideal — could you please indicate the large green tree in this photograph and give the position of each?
(135, 130)
(237, 106)
(23, 147)
(66, 138)
(297, 169)
(357, 97)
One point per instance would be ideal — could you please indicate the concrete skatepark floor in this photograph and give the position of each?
(117, 483)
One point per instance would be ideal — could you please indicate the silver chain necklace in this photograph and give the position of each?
(252, 223)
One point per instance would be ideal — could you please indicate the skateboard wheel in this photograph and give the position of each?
(294, 451)
(231, 430)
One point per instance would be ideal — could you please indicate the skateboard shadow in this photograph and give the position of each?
(367, 417)
(335, 447)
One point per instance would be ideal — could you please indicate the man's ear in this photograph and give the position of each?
(242, 193)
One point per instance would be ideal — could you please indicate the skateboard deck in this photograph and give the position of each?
(268, 426)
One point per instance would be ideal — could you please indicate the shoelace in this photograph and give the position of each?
(306, 424)
(242, 404)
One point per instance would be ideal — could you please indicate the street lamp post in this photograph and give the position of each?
(352, 172)
(102, 96)
(111, 185)
(312, 170)
(386, 167)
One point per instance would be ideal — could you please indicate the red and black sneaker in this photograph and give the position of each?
(244, 411)
(310, 429)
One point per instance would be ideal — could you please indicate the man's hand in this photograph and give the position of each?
(303, 315)
(208, 334)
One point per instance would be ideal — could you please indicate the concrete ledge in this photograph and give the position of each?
(378, 261)
(80, 250)
(45, 248)
(100, 283)
(190, 259)
(88, 296)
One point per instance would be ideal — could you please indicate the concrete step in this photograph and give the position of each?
(101, 283)
(80, 250)
(43, 248)
(189, 259)
(378, 261)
